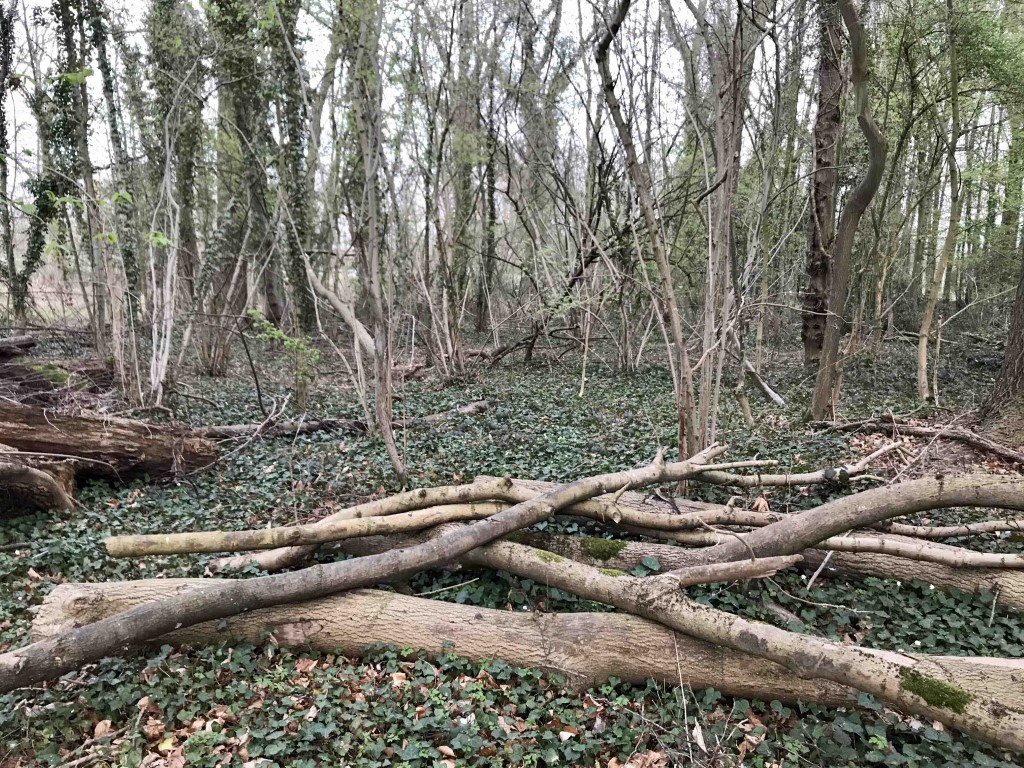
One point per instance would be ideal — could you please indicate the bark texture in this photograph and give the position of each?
(585, 647)
(61, 653)
(110, 448)
(1003, 412)
(822, 225)
(856, 204)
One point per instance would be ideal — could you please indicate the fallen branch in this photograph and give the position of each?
(844, 473)
(308, 426)
(1006, 586)
(797, 532)
(980, 697)
(412, 511)
(959, 434)
(770, 394)
(68, 650)
(286, 428)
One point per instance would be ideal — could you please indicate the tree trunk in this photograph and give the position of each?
(1003, 412)
(821, 234)
(115, 449)
(860, 198)
(587, 648)
(29, 484)
(956, 204)
(682, 376)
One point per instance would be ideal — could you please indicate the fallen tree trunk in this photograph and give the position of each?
(628, 506)
(804, 530)
(68, 650)
(15, 346)
(587, 648)
(287, 428)
(25, 488)
(981, 697)
(109, 448)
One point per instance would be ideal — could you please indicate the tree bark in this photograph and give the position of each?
(71, 649)
(821, 232)
(643, 186)
(111, 448)
(956, 203)
(1003, 412)
(15, 346)
(587, 648)
(28, 485)
(860, 198)
(1006, 586)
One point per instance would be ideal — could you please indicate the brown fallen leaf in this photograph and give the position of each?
(103, 727)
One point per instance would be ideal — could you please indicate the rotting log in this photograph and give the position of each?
(15, 346)
(110, 448)
(586, 648)
(25, 488)
(282, 428)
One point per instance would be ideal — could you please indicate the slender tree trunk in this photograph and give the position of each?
(368, 224)
(856, 204)
(956, 203)
(9, 269)
(644, 189)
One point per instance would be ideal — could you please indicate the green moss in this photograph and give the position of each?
(602, 549)
(938, 693)
(612, 572)
(52, 373)
(549, 557)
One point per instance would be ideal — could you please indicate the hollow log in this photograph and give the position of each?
(587, 648)
(110, 448)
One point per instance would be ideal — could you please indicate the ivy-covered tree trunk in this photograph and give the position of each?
(70, 22)
(124, 195)
(8, 269)
(294, 118)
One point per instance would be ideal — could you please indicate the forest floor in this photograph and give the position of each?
(269, 706)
